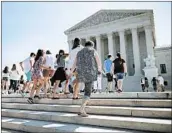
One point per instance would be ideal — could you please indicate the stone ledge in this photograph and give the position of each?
(101, 110)
(98, 102)
(135, 95)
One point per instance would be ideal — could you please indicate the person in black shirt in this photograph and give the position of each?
(146, 84)
(119, 69)
(154, 83)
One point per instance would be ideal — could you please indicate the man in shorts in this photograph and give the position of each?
(107, 68)
(26, 66)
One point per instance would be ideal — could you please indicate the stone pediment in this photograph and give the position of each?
(105, 16)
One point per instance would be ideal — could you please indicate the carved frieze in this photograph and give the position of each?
(104, 17)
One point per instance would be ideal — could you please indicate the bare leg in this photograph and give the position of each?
(119, 84)
(76, 89)
(3, 85)
(33, 89)
(41, 83)
(55, 86)
(66, 89)
(109, 86)
(46, 85)
(7, 86)
(27, 86)
(85, 99)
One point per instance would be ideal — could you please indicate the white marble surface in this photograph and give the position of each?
(99, 102)
(103, 110)
(149, 95)
(146, 124)
(43, 126)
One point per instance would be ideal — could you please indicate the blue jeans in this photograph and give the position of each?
(120, 76)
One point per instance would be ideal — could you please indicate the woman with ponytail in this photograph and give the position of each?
(119, 69)
(37, 75)
(73, 53)
(60, 74)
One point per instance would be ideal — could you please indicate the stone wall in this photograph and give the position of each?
(163, 56)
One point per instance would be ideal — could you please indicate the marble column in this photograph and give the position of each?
(98, 43)
(149, 40)
(122, 44)
(110, 44)
(114, 47)
(70, 44)
(136, 52)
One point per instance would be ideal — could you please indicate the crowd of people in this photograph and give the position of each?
(157, 83)
(82, 72)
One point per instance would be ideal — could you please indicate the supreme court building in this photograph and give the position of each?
(130, 32)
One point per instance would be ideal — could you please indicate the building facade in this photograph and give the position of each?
(130, 32)
(163, 63)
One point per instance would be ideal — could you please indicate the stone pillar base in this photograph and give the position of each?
(150, 72)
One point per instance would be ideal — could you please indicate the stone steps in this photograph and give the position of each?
(10, 131)
(127, 113)
(145, 124)
(101, 110)
(37, 126)
(98, 102)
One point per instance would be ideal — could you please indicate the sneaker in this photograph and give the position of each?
(84, 114)
(119, 90)
(82, 91)
(30, 100)
(94, 91)
(22, 93)
(37, 97)
(9, 92)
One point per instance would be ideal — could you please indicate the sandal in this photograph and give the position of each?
(55, 98)
(66, 92)
(76, 98)
(37, 97)
(119, 90)
(30, 100)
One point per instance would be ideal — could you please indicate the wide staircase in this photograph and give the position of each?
(128, 112)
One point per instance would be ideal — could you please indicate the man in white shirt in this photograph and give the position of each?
(161, 82)
(26, 66)
(72, 56)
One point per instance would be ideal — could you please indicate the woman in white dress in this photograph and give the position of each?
(72, 55)
(14, 78)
